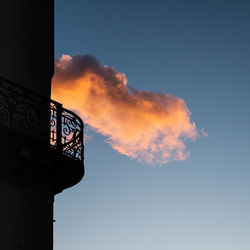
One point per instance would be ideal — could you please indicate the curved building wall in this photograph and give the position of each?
(27, 43)
(26, 58)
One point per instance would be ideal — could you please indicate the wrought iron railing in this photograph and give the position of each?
(46, 120)
(66, 131)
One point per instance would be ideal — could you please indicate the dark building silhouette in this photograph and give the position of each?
(41, 142)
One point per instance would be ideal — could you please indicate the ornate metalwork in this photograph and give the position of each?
(43, 119)
(66, 132)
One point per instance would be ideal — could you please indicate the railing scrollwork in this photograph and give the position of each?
(66, 132)
(28, 113)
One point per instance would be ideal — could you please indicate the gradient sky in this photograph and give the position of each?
(196, 50)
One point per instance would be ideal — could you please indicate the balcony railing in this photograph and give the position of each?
(46, 120)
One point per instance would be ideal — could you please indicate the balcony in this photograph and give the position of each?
(40, 132)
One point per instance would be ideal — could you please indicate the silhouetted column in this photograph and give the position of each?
(26, 215)
(27, 58)
(27, 43)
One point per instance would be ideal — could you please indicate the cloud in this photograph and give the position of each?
(142, 125)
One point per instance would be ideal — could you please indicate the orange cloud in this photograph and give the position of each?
(142, 125)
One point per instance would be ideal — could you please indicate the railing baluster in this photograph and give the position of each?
(59, 127)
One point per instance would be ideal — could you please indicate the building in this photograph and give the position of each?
(41, 142)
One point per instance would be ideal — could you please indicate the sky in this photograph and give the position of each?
(198, 51)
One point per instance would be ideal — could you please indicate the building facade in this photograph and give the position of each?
(41, 143)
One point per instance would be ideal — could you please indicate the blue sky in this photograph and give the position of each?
(199, 51)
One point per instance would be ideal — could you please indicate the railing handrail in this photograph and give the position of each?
(25, 89)
(40, 96)
(69, 126)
